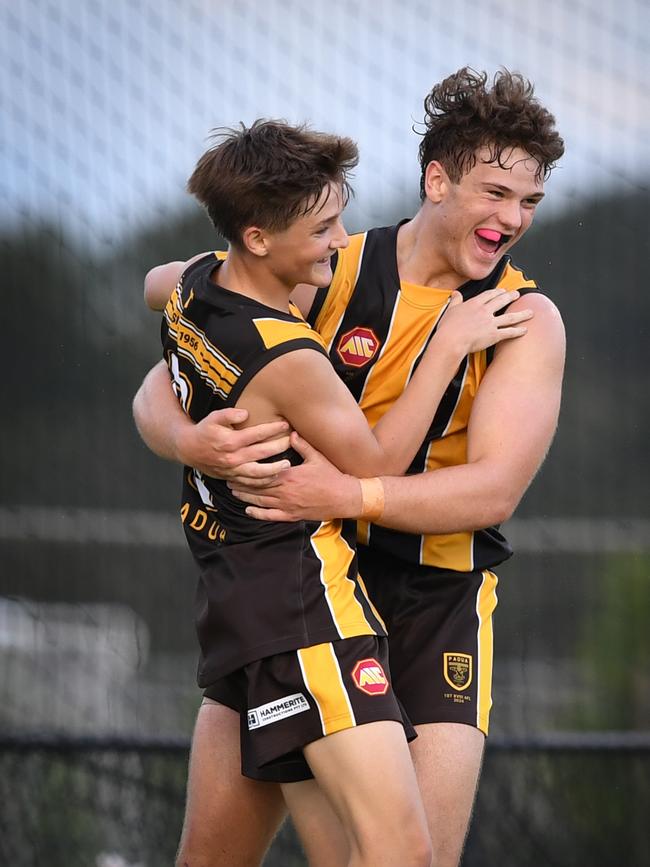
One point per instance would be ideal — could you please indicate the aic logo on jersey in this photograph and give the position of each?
(457, 669)
(369, 676)
(358, 347)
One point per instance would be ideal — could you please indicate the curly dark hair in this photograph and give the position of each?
(463, 114)
(268, 174)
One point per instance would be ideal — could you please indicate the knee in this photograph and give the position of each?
(418, 850)
(408, 845)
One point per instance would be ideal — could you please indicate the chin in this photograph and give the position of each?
(480, 270)
(320, 276)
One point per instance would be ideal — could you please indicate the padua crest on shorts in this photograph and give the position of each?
(457, 669)
(369, 677)
(358, 346)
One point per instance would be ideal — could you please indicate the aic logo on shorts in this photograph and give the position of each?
(358, 347)
(369, 677)
(457, 669)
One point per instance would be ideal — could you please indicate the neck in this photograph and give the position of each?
(247, 275)
(420, 256)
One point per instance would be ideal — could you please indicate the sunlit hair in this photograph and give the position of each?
(268, 174)
(464, 114)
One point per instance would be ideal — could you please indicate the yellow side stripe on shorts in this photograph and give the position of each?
(322, 676)
(336, 556)
(372, 607)
(485, 605)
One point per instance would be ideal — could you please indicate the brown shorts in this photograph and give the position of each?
(288, 700)
(439, 626)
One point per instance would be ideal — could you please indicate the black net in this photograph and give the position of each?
(121, 805)
(105, 108)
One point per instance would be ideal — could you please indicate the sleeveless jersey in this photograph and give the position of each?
(264, 588)
(376, 329)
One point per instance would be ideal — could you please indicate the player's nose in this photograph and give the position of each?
(340, 237)
(510, 216)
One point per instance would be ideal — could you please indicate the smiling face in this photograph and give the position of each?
(302, 252)
(482, 216)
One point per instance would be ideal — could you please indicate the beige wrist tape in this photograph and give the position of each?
(372, 497)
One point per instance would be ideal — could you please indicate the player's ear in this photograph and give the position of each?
(255, 240)
(436, 182)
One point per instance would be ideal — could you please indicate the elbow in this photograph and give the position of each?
(137, 409)
(149, 289)
(502, 506)
(501, 512)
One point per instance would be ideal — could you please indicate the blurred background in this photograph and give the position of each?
(105, 108)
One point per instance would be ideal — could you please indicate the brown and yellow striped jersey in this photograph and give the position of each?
(264, 588)
(376, 329)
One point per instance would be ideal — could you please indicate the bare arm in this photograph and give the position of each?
(213, 445)
(512, 424)
(160, 282)
(303, 388)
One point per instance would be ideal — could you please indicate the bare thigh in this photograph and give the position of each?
(367, 775)
(320, 830)
(230, 820)
(447, 759)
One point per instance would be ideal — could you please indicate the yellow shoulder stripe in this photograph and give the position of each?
(513, 278)
(341, 287)
(276, 331)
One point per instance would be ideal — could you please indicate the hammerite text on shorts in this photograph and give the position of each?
(275, 710)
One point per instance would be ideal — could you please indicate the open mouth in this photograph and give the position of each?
(490, 241)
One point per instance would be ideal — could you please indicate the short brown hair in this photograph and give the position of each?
(268, 174)
(463, 114)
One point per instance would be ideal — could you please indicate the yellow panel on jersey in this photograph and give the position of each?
(486, 603)
(322, 676)
(409, 332)
(514, 279)
(341, 288)
(335, 557)
(276, 331)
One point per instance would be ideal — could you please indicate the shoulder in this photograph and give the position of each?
(545, 340)
(274, 332)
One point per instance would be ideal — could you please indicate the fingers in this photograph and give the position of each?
(507, 319)
(500, 299)
(258, 475)
(228, 416)
(508, 333)
(258, 452)
(254, 498)
(260, 432)
(269, 514)
(456, 299)
(246, 483)
(302, 446)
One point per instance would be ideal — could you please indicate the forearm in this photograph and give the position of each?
(158, 415)
(449, 500)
